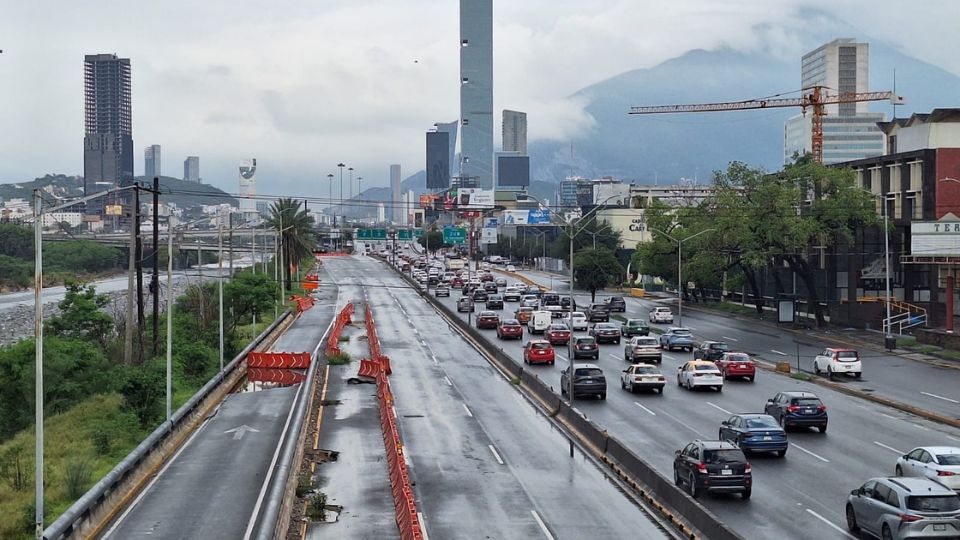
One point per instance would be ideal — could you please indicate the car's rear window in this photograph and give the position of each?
(648, 342)
(719, 346)
(939, 503)
(681, 332)
(635, 322)
(585, 341)
(589, 372)
(494, 297)
(558, 327)
(847, 355)
(761, 422)
(738, 357)
(948, 459)
(511, 322)
(723, 456)
(648, 370)
(704, 367)
(540, 346)
(805, 402)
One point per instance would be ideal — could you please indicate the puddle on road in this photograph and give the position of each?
(259, 379)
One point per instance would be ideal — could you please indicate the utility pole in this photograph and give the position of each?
(141, 318)
(169, 321)
(220, 287)
(131, 267)
(155, 281)
(38, 361)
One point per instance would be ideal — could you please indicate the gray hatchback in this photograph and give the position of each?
(895, 508)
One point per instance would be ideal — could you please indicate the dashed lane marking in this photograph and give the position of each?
(543, 526)
(644, 408)
(684, 424)
(778, 352)
(804, 450)
(832, 526)
(730, 338)
(719, 408)
(470, 414)
(890, 448)
(447, 379)
(940, 397)
(495, 454)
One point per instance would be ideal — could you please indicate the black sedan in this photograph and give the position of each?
(754, 433)
(798, 409)
(605, 333)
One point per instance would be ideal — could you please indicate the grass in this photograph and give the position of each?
(72, 460)
(657, 330)
(620, 318)
(339, 359)
(929, 349)
(800, 376)
(906, 341)
(729, 307)
(341, 339)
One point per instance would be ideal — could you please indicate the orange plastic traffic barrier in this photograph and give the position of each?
(368, 368)
(278, 360)
(279, 376)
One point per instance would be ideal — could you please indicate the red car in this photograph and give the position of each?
(737, 364)
(486, 277)
(457, 282)
(558, 334)
(510, 329)
(488, 319)
(538, 351)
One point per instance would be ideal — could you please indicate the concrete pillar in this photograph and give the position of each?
(949, 318)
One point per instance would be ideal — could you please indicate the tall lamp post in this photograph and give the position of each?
(886, 267)
(351, 182)
(339, 237)
(680, 286)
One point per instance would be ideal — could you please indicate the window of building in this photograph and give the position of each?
(916, 176)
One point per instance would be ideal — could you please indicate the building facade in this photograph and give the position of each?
(108, 127)
(476, 92)
(191, 169)
(396, 197)
(151, 161)
(514, 132)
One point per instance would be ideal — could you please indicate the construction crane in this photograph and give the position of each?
(815, 98)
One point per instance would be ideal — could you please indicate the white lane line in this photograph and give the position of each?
(644, 408)
(778, 352)
(827, 521)
(470, 414)
(951, 437)
(615, 356)
(495, 454)
(434, 359)
(423, 525)
(889, 416)
(394, 408)
(730, 338)
(804, 450)
(684, 424)
(918, 426)
(447, 379)
(940, 397)
(562, 357)
(892, 449)
(719, 408)
(543, 526)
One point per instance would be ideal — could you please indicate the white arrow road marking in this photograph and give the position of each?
(240, 431)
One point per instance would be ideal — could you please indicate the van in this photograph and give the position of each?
(539, 322)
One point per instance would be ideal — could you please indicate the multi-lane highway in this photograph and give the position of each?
(486, 464)
(800, 496)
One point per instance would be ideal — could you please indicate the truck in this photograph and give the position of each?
(539, 322)
(456, 264)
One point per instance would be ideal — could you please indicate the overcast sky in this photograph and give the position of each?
(302, 85)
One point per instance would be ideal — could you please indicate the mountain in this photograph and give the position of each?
(172, 190)
(666, 147)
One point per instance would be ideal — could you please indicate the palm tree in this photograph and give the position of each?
(296, 233)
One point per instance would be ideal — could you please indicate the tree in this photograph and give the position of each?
(297, 237)
(594, 269)
(432, 238)
(248, 293)
(16, 241)
(592, 234)
(82, 316)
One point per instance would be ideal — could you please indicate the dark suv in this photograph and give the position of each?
(798, 409)
(586, 347)
(597, 313)
(713, 466)
(494, 301)
(616, 303)
(710, 350)
(588, 380)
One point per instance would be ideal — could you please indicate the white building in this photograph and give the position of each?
(381, 213)
(396, 197)
(53, 219)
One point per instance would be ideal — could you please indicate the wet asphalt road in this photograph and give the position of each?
(800, 496)
(485, 462)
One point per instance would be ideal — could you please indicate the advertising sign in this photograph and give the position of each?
(526, 217)
(932, 238)
(538, 216)
(488, 235)
(474, 198)
(438, 166)
(426, 201)
(513, 171)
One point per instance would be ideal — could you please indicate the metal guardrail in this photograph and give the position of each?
(81, 510)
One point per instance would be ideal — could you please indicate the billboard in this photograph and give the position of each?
(935, 238)
(427, 201)
(438, 155)
(468, 199)
(513, 171)
(631, 223)
(248, 184)
(526, 217)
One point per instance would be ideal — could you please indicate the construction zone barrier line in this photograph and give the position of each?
(278, 360)
(342, 320)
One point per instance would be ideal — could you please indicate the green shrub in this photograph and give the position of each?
(339, 359)
(79, 471)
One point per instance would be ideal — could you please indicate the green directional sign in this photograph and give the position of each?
(371, 234)
(454, 235)
(364, 234)
(379, 234)
(404, 234)
(417, 233)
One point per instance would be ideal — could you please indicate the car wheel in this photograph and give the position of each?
(678, 381)
(552, 362)
(751, 378)
(780, 421)
(719, 388)
(603, 396)
(852, 519)
(823, 428)
(745, 494)
(623, 385)
(618, 342)
(816, 367)
(886, 534)
(857, 375)
(676, 477)
(633, 389)
(694, 493)
(898, 471)
(781, 453)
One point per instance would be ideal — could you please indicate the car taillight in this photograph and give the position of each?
(702, 467)
(946, 473)
(792, 408)
(822, 408)
(908, 518)
(748, 469)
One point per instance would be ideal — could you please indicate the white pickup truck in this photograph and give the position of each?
(660, 315)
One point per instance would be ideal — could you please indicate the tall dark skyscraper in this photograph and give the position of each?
(151, 161)
(108, 133)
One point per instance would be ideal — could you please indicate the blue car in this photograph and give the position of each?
(677, 338)
(754, 433)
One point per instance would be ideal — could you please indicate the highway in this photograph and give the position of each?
(485, 462)
(800, 496)
(214, 486)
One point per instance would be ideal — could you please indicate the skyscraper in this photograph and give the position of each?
(151, 161)
(396, 198)
(849, 129)
(248, 185)
(451, 129)
(108, 127)
(191, 169)
(514, 132)
(476, 91)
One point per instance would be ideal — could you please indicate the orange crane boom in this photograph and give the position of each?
(816, 98)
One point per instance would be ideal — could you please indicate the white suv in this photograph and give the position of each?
(661, 315)
(835, 361)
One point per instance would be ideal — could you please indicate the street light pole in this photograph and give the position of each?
(886, 265)
(220, 286)
(170, 320)
(38, 362)
(680, 286)
(333, 213)
(340, 236)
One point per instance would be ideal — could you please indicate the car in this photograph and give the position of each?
(696, 373)
(494, 301)
(500, 281)
(533, 289)
(511, 268)
(539, 322)
(737, 364)
(538, 351)
(442, 290)
(605, 333)
(566, 302)
(754, 433)
(642, 377)
(529, 300)
(523, 314)
(643, 348)
(939, 463)
(550, 298)
(677, 338)
(798, 409)
(464, 304)
(558, 334)
(660, 315)
(586, 347)
(835, 361)
(576, 321)
(510, 329)
(597, 313)
(895, 508)
(616, 303)
(488, 319)
(457, 282)
(490, 287)
(479, 295)
(634, 327)
(710, 350)
(511, 295)
(588, 380)
(486, 276)
(706, 466)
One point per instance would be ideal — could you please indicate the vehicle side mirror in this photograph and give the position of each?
(626, 370)
(725, 423)
(677, 453)
(769, 402)
(855, 492)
